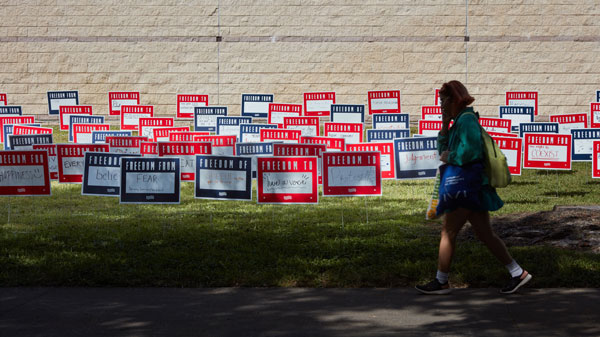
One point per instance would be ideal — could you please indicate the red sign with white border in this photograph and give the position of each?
(596, 160)
(388, 167)
(186, 103)
(164, 134)
(495, 124)
(24, 173)
(131, 114)
(186, 136)
(149, 149)
(287, 180)
(302, 150)
(3, 100)
(146, 125)
(549, 151)
(82, 133)
(126, 144)
(523, 98)
(186, 152)
(221, 145)
(387, 101)
(71, 159)
(429, 128)
(284, 135)
(437, 97)
(333, 144)
(14, 120)
(31, 130)
(52, 160)
(318, 103)
(308, 125)
(116, 99)
(351, 132)
(566, 122)
(278, 111)
(351, 174)
(431, 113)
(66, 111)
(502, 134)
(594, 115)
(512, 148)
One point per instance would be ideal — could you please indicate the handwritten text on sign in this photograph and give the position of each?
(287, 180)
(224, 177)
(547, 151)
(416, 158)
(71, 160)
(150, 180)
(318, 103)
(118, 99)
(351, 173)
(24, 173)
(188, 102)
(384, 101)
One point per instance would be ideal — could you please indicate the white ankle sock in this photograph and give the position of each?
(514, 269)
(441, 277)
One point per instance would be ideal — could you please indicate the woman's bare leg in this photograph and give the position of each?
(453, 222)
(480, 222)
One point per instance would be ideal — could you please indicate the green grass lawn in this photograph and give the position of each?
(71, 240)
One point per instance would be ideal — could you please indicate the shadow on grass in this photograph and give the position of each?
(565, 194)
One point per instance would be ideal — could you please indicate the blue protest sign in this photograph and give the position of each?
(537, 128)
(517, 115)
(347, 113)
(256, 105)
(150, 180)
(223, 177)
(58, 98)
(26, 142)
(391, 121)
(230, 126)
(8, 130)
(254, 150)
(374, 136)
(250, 133)
(205, 117)
(582, 146)
(416, 158)
(102, 174)
(83, 119)
(11, 110)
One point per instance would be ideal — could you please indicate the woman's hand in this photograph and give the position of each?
(444, 156)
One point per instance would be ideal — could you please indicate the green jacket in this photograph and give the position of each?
(464, 143)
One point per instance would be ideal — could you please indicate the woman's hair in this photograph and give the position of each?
(457, 92)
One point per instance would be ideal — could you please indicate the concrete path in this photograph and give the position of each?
(236, 312)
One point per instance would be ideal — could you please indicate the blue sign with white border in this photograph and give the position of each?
(58, 98)
(348, 113)
(8, 130)
(254, 150)
(146, 180)
(228, 126)
(205, 117)
(517, 115)
(26, 142)
(223, 177)
(597, 96)
(256, 105)
(537, 128)
(374, 136)
(250, 133)
(416, 158)
(102, 173)
(582, 145)
(11, 110)
(83, 119)
(391, 121)
(99, 137)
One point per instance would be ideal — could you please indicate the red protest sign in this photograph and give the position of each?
(285, 135)
(595, 115)
(596, 160)
(31, 130)
(71, 160)
(82, 133)
(387, 101)
(278, 111)
(287, 180)
(437, 97)
(120, 98)
(429, 128)
(318, 103)
(221, 145)
(502, 134)
(431, 113)
(131, 114)
(186, 136)
(66, 111)
(351, 132)
(126, 144)
(388, 167)
(547, 151)
(14, 120)
(163, 134)
(186, 103)
(147, 124)
(302, 150)
(351, 173)
(495, 124)
(149, 149)
(333, 144)
(512, 148)
(3, 100)
(186, 152)
(308, 125)
(523, 98)
(566, 122)
(52, 160)
(24, 173)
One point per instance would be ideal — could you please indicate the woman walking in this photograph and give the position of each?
(461, 145)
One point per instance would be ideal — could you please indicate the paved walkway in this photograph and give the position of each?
(296, 312)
